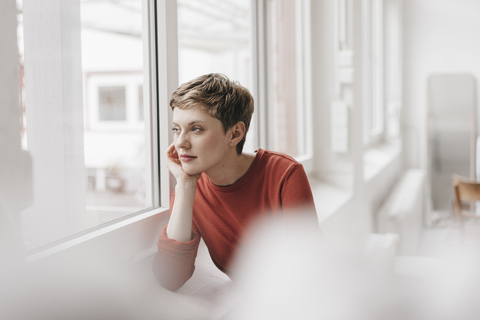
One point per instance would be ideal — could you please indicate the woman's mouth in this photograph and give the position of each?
(187, 158)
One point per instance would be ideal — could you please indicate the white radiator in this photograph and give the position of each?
(402, 212)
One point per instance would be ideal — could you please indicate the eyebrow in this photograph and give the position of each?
(191, 123)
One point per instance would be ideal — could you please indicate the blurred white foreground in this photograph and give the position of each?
(288, 272)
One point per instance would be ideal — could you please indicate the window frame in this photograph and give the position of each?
(262, 80)
(393, 67)
(138, 231)
(306, 84)
(373, 75)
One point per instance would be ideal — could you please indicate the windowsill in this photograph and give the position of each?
(116, 233)
(376, 158)
(328, 198)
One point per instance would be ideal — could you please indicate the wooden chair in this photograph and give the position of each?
(465, 190)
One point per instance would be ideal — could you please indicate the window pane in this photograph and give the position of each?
(111, 103)
(89, 167)
(377, 67)
(215, 36)
(113, 65)
(285, 103)
(393, 68)
(374, 90)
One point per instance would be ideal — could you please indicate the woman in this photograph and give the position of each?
(220, 189)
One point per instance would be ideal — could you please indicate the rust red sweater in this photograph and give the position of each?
(273, 185)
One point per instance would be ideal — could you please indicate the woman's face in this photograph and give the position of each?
(200, 140)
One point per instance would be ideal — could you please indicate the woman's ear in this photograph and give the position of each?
(238, 132)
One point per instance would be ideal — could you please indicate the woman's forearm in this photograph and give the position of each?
(180, 225)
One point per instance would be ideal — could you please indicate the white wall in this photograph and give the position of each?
(438, 37)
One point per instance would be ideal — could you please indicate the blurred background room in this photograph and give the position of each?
(376, 98)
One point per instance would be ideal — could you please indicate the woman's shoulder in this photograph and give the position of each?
(278, 164)
(277, 157)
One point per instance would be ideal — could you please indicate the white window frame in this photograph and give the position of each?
(304, 83)
(381, 143)
(373, 90)
(134, 237)
(140, 230)
(304, 76)
(393, 67)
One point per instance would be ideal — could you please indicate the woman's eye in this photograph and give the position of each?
(175, 130)
(196, 129)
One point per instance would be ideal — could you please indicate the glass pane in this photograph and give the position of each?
(111, 103)
(113, 65)
(374, 97)
(377, 67)
(393, 70)
(215, 36)
(110, 65)
(285, 109)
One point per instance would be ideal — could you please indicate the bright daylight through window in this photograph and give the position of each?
(287, 101)
(86, 113)
(374, 70)
(216, 36)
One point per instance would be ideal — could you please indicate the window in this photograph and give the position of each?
(288, 128)
(98, 79)
(90, 104)
(382, 80)
(373, 79)
(272, 62)
(216, 36)
(393, 67)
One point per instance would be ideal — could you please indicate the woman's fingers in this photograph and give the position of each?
(173, 162)
(175, 166)
(171, 154)
(170, 150)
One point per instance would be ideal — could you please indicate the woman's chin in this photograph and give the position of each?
(191, 171)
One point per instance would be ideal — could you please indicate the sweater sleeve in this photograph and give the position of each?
(296, 194)
(174, 262)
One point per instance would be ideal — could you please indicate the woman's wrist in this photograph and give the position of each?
(186, 185)
(180, 225)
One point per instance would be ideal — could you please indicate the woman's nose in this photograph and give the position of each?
(181, 142)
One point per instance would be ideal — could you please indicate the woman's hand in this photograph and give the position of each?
(175, 167)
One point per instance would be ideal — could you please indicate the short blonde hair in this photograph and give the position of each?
(223, 99)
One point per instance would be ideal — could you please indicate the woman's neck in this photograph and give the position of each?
(233, 170)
